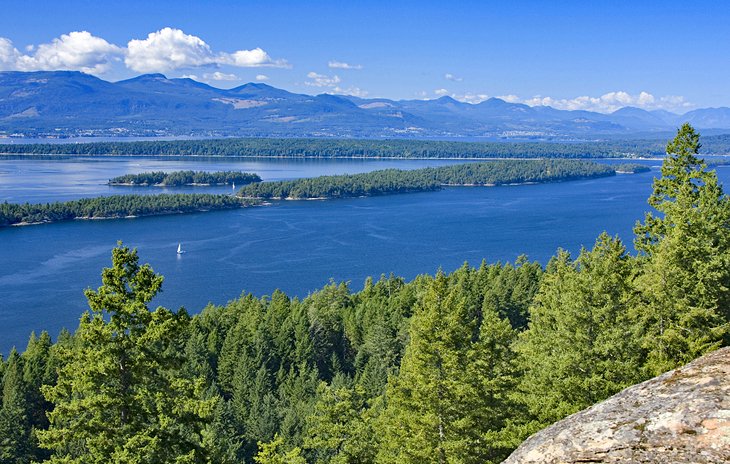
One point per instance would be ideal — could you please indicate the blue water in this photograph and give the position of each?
(295, 246)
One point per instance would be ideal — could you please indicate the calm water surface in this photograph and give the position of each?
(294, 246)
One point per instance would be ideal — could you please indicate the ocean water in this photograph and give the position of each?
(295, 246)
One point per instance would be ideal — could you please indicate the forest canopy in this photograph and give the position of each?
(345, 148)
(180, 178)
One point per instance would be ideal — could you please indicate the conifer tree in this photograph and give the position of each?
(120, 396)
(16, 441)
(578, 348)
(685, 279)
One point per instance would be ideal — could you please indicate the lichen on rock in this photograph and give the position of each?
(682, 416)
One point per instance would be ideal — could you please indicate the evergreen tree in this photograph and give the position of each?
(16, 445)
(340, 430)
(578, 349)
(120, 395)
(685, 278)
(449, 397)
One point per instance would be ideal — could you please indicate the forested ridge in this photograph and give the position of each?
(401, 181)
(334, 148)
(116, 206)
(457, 367)
(180, 178)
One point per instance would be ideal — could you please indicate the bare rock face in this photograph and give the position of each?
(682, 416)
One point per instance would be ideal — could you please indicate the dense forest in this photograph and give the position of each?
(180, 178)
(455, 368)
(418, 180)
(116, 206)
(334, 148)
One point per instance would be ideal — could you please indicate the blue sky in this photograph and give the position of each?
(597, 55)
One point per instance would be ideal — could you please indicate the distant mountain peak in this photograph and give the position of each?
(69, 103)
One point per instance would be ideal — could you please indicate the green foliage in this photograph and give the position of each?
(449, 401)
(360, 148)
(116, 206)
(390, 181)
(179, 178)
(119, 395)
(272, 454)
(685, 278)
(579, 347)
(16, 440)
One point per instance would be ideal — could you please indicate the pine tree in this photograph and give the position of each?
(685, 279)
(119, 395)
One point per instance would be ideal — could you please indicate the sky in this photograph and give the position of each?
(594, 55)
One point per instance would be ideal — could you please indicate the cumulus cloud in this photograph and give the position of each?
(164, 50)
(342, 65)
(262, 77)
(332, 85)
(322, 80)
(606, 103)
(8, 55)
(451, 77)
(612, 101)
(75, 51)
(169, 49)
(219, 76)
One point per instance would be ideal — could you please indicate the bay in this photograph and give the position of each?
(294, 246)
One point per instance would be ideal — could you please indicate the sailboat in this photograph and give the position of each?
(179, 249)
(234, 186)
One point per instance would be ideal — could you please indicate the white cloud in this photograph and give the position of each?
(8, 55)
(342, 65)
(332, 85)
(510, 98)
(164, 50)
(354, 91)
(469, 97)
(75, 51)
(262, 77)
(189, 76)
(441, 92)
(169, 49)
(451, 77)
(612, 101)
(322, 80)
(219, 76)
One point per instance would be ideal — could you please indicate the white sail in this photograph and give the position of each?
(179, 249)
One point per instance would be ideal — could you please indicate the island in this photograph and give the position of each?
(390, 181)
(631, 168)
(117, 206)
(181, 178)
(383, 182)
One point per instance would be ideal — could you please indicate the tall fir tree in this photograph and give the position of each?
(120, 395)
(578, 347)
(685, 280)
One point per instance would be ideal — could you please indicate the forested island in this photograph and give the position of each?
(116, 206)
(358, 148)
(390, 181)
(181, 178)
(456, 367)
(630, 168)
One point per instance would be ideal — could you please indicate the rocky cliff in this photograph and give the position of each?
(682, 416)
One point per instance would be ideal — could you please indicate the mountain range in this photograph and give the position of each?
(68, 103)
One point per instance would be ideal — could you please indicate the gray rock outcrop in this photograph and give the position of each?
(682, 416)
